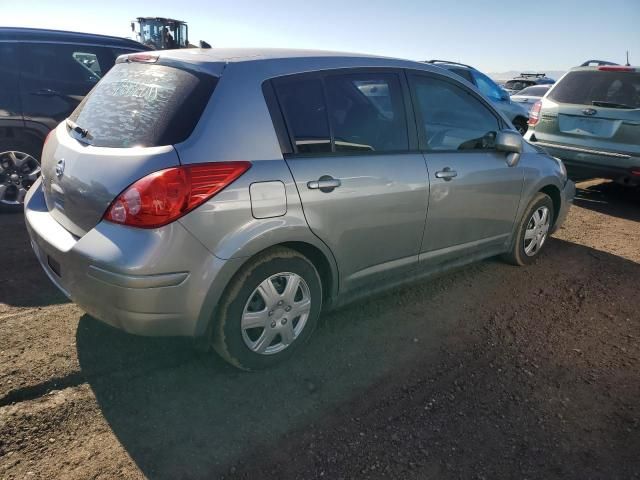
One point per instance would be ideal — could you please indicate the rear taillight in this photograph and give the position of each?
(164, 196)
(635, 173)
(534, 114)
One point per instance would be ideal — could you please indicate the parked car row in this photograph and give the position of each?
(44, 75)
(263, 186)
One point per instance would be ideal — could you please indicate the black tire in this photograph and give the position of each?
(521, 125)
(33, 148)
(517, 254)
(226, 333)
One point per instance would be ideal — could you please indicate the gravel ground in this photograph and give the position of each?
(490, 371)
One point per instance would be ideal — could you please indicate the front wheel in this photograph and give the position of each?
(270, 308)
(533, 231)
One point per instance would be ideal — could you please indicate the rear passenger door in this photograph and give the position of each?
(362, 181)
(54, 78)
(474, 194)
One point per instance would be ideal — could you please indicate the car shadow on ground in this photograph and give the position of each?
(609, 198)
(23, 283)
(183, 414)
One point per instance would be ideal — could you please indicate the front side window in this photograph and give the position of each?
(66, 69)
(453, 118)
(367, 112)
(303, 105)
(488, 87)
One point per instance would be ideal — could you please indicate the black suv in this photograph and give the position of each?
(44, 74)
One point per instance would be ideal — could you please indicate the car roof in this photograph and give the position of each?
(214, 59)
(18, 34)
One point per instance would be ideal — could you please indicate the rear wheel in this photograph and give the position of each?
(269, 310)
(19, 169)
(533, 231)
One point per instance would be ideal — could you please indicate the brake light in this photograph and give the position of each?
(164, 196)
(534, 114)
(635, 173)
(616, 68)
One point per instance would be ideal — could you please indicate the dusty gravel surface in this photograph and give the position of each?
(490, 371)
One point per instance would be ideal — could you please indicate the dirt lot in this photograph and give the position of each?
(488, 372)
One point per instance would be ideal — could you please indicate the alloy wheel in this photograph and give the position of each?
(276, 313)
(18, 171)
(537, 230)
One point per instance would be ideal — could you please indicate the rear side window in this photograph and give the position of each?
(367, 112)
(304, 107)
(364, 112)
(464, 73)
(595, 87)
(453, 119)
(143, 105)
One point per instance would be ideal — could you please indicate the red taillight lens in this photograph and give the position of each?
(164, 196)
(534, 114)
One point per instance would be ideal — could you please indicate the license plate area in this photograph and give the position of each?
(591, 127)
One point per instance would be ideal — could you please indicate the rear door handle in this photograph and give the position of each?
(446, 174)
(325, 183)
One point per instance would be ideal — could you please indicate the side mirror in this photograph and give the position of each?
(510, 142)
(504, 95)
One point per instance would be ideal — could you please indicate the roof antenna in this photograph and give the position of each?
(628, 64)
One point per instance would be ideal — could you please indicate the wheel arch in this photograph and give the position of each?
(553, 192)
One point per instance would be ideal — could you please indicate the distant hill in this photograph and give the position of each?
(504, 76)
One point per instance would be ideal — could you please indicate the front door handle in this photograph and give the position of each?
(325, 183)
(446, 174)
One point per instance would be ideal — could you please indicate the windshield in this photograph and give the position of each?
(142, 105)
(591, 87)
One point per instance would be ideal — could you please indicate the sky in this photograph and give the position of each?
(493, 36)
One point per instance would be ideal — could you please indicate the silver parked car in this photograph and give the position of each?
(230, 195)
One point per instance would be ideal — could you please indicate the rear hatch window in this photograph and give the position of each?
(143, 105)
(599, 88)
(518, 84)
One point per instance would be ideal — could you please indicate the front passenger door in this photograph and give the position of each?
(474, 194)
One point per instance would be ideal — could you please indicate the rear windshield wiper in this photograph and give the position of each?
(77, 128)
(598, 103)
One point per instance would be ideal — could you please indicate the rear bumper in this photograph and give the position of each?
(593, 163)
(147, 282)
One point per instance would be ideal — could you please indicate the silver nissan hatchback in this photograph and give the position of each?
(231, 195)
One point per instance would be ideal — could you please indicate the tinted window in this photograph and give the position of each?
(367, 112)
(464, 73)
(534, 91)
(453, 119)
(67, 69)
(9, 102)
(143, 105)
(586, 87)
(518, 84)
(488, 87)
(302, 102)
